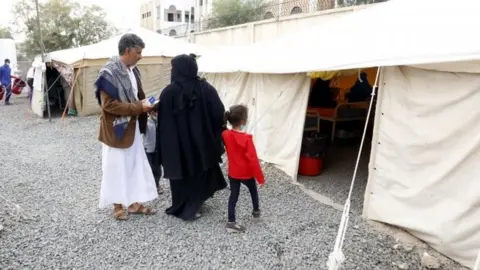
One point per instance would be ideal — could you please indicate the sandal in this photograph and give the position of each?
(159, 190)
(120, 215)
(142, 210)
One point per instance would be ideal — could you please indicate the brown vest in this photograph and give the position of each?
(111, 108)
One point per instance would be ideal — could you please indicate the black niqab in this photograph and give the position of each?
(190, 120)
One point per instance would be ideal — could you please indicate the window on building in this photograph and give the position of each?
(201, 2)
(296, 10)
(170, 13)
(158, 12)
(179, 16)
(143, 16)
(192, 19)
(187, 16)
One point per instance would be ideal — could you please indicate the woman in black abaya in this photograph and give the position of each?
(189, 146)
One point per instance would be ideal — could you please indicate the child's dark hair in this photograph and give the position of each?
(236, 115)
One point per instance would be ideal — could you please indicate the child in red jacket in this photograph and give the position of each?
(243, 164)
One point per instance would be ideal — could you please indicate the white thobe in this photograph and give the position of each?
(126, 174)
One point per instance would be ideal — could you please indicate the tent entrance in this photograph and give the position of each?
(57, 90)
(336, 116)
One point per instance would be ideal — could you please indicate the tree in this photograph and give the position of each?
(64, 23)
(5, 32)
(233, 12)
(346, 3)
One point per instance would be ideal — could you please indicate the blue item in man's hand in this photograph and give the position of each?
(151, 100)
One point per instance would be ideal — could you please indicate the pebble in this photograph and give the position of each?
(429, 261)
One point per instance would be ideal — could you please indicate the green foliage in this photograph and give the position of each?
(64, 23)
(233, 12)
(5, 32)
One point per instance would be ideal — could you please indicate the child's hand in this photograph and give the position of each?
(260, 186)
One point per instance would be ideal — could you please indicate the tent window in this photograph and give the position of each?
(268, 15)
(296, 10)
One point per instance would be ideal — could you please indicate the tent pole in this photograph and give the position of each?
(42, 46)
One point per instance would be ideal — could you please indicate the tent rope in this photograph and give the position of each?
(336, 258)
(477, 263)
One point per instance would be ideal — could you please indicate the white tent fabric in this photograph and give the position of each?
(276, 104)
(155, 45)
(398, 32)
(424, 170)
(38, 94)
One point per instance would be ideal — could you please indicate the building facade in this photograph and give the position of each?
(168, 17)
(180, 17)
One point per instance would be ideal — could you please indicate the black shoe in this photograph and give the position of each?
(233, 227)
(256, 214)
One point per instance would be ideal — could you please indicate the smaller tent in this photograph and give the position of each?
(79, 67)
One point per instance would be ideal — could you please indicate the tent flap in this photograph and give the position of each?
(277, 105)
(424, 166)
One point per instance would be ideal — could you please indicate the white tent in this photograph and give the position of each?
(155, 45)
(423, 172)
(80, 66)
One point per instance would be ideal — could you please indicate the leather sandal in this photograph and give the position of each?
(120, 215)
(142, 210)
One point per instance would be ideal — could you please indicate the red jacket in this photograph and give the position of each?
(243, 162)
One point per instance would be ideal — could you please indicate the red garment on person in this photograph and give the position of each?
(243, 163)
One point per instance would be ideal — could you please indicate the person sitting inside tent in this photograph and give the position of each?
(361, 90)
(322, 95)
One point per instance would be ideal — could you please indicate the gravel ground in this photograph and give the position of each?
(53, 171)
(334, 182)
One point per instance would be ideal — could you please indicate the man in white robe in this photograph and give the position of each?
(127, 179)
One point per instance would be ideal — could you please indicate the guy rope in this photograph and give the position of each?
(336, 258)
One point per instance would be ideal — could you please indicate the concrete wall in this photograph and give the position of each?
(267, 29)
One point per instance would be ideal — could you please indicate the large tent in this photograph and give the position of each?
(423, 171)
(79, 67)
